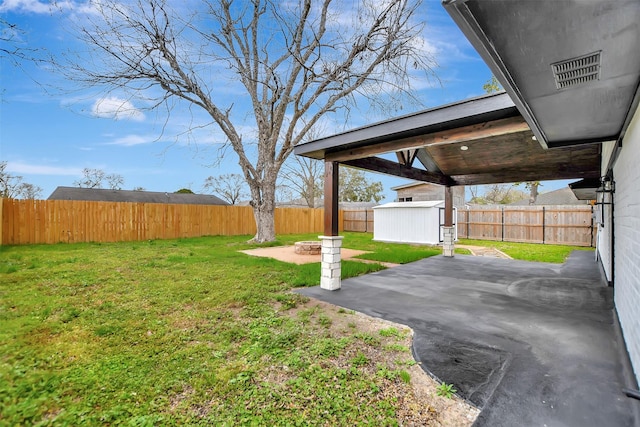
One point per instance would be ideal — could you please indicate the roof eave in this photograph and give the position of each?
(463, 113)
(465, 20)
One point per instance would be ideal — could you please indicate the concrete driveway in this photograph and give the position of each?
(531, 344)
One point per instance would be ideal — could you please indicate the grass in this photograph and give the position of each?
(379, 251)
(178, 332)
(187, 332)
(529, 251)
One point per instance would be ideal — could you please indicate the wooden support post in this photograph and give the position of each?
(331, 198)
(448, 230)
(448, 206)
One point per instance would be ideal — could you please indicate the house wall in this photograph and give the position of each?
(428, 192)
(603, 216)
(626, 266)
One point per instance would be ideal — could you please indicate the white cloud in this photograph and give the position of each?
(33, 6)
(117, 109)
(36, 6)
(26, 168)
(131, 140)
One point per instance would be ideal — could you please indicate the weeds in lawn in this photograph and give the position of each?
(446, 390)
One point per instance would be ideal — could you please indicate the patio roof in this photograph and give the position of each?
(571, 73)
(571, 67)
(481, 140)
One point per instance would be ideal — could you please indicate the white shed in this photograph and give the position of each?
(410, 222)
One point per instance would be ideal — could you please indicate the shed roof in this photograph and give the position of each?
(106, 195)
(421, 204)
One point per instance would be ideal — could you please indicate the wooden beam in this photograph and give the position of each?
(407, 157)
(448, 206)
(451, 136)
(521, 175)
(331, 198)
(388, 167)
(427, 161)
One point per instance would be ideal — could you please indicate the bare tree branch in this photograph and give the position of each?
(231, 187)
(14, 187)
(295, 62)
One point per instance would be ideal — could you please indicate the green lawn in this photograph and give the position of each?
(188, 332)
(529, 251)
(178, 332)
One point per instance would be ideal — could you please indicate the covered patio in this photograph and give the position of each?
(483, 140)
(544, 343)
(531, 344)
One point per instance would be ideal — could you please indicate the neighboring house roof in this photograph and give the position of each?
(409, 185)
(563, 196)
(300, 203)
(105, 195)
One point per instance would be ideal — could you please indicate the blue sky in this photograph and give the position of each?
(48, 135)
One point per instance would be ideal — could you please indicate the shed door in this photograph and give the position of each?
(441, 224)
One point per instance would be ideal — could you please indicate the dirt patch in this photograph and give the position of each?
(417, 401)
(288, 254)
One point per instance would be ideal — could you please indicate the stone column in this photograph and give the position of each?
(331, 264)
(448, 243)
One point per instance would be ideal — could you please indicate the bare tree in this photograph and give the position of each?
(231, 187)
(91, 178)
(14, 187)
(295, 62)
(12, 45)
(305, 178)
(29, 191)
(94, 178)
(115, 181)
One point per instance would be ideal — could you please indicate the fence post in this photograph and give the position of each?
(544, 221)
(591, 242)
(502, 210)
(468, 224)
(366, 220)
(1, 220)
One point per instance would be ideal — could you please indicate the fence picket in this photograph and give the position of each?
(54, 221)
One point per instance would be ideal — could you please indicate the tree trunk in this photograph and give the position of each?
(263, 204)
(533, 192)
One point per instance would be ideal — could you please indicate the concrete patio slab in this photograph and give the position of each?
(532, 344)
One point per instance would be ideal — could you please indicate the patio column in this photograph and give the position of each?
(448, 230)
(331, 266)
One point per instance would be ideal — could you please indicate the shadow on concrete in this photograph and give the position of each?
(528, 343)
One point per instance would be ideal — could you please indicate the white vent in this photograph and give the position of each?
(576, 71)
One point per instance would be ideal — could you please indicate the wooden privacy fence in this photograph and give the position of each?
(565, 225)
(358, 220)
(54, 221)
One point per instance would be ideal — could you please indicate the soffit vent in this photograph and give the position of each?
(576, 71)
